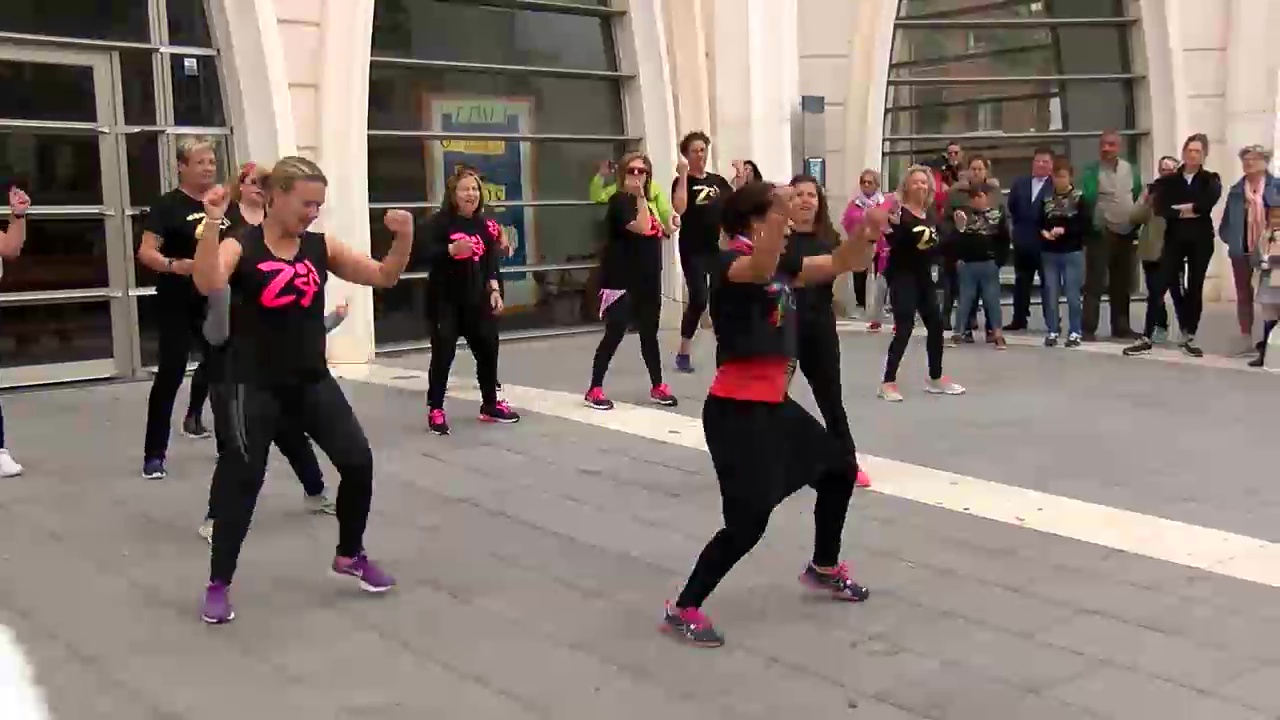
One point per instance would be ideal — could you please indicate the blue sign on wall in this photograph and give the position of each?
(816, 167)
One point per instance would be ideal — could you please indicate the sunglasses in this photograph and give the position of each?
(636, 171)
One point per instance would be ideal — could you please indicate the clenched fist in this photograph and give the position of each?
(682, 167)
(398, 221)
(216, 200)
(19, 203)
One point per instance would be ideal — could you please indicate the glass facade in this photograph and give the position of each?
(1004, 77)
(530, 94)
(96, 95)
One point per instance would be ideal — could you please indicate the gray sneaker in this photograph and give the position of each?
(943, 386)
(320, 504)
(1160, 336)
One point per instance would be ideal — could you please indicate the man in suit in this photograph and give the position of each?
(1026, 204)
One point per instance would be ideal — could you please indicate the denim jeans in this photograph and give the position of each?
(978, 280)
(1063, 275)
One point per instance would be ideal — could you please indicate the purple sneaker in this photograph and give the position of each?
(217, 604)
(372, 578)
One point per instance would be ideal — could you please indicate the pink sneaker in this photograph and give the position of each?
(437, 422)
(863, 480)
(661, 394)
(596, 400)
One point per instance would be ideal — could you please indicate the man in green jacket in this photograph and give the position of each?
(603, 187)
(1112, 187)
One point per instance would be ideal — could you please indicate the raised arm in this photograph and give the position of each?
(680, 188)
(853, 253)
(11, 240)
(214, 260)
(360, 269)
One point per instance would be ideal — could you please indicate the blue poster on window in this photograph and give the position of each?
(503, 166)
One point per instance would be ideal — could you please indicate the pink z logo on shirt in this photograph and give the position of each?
(477, 246)
(303, 277)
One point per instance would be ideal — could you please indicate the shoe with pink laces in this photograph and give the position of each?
(499, 412)
(836, 582)
(863, 480)
(661, 394)
(437, 422)
(690, 625)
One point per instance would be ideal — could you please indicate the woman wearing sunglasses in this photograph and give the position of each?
(631, 280)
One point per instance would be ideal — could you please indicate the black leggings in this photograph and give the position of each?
(479, 327)
(180, 319)
(697, 279)
(1180, 255)
(318, 409)
(289, 439)
(819, 359)
(912, 293)
(763, 453)
(633, 308)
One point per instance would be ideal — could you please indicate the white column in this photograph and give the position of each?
(255, 82)
(642, 50)
(869, 51)
(347, 35)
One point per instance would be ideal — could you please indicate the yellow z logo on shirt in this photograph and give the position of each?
(926, 237)
(706, 194)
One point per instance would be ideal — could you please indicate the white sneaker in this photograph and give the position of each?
(943, 386)
(8, 466)
(206, 531)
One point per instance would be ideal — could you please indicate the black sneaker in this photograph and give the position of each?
(1073, 341)
(193, 427)
(437, 422)
(153, 469)
(499, 412)
(1142, 347)
(1259, 361)
(690, 625)
(1191, 349)
(838, 584)
(1051, 340)
(967, 337)
(597, 400)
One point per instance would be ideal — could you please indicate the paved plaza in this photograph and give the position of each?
(533, 559)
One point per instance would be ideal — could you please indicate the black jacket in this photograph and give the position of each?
(1203, 192)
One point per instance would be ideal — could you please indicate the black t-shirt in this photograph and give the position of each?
(277, 317)
(632, 261)
(913, 245)
(459, 280)
(812, 302)
(177, 219)
(751, 320)
(700, 221)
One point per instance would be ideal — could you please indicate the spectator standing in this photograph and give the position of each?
(1111, 187)
(1026, 209)
(1243, 225)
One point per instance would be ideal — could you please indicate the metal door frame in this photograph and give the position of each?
(112, 158)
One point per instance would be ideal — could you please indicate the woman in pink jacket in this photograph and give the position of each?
(867, 197)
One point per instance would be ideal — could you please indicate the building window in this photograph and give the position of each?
(529, 94)
(104, 94)
(960, 69)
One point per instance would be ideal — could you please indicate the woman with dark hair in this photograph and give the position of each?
(696, 194)
(279, 270)
(631, 280)
(913, 273)
(818, 344)
(460, 245)
(764, 445)
(1185, 200)
(747, 172)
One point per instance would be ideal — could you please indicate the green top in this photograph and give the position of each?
(658, 202)
(1089, 183)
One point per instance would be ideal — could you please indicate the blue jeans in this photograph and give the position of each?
(1063, 275)
(978, 280)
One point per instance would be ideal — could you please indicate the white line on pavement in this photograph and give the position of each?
(20, 697)
(1192, 546)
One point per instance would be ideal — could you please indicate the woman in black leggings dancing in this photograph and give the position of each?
(818, 348)
(631, 280)
(913, 270)
(464, 296)
(277, 363)
(764, 445)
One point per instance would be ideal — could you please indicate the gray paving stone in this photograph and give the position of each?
(1259, 689)
(1013, 660)
(1148, 651)
(952, 692)
(1121, 694)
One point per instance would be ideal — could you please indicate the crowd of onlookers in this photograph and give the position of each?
(1086, 232)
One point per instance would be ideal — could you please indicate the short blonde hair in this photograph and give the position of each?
(906, 177)
(189, 145)
(622, 171)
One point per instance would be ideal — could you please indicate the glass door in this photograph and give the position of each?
(64, 309)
